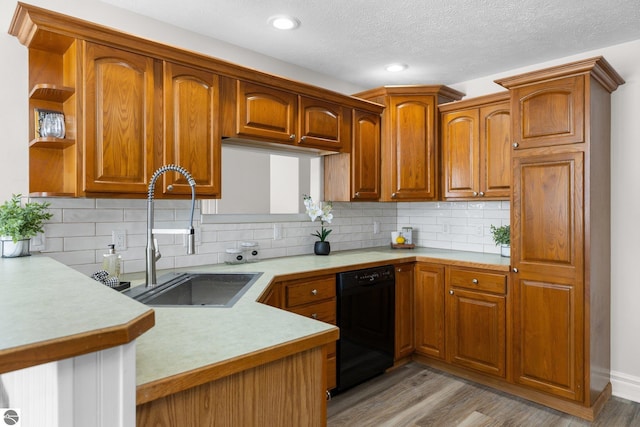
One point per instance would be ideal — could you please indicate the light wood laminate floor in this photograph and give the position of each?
(416, 395)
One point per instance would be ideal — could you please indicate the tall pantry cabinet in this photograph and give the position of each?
(560, 221)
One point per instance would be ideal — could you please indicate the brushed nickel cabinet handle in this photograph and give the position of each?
(451, 292)
(314, 292)
(515, 270)
(474, 281)
(515, 145)
(475, 193)
(303, 139)
(314, 315)
(482, 194)
(292, 136)
(394, 195)
(357, 194)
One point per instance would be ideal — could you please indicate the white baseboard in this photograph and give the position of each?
(625, 386)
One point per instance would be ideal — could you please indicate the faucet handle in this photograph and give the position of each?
(157, 249)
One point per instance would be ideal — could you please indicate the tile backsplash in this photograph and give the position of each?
(81, 229)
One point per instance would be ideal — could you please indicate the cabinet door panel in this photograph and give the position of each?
(548, 205)
(404, 338)
(192, 134)
(266, 112)
(429, 309)
(460, 153)
(414, 151)
(323, 124)
(495, 152)
(549, 113)
(119, 117)
(476, 335)
(548, 336)
(548, 251)
(365, 156)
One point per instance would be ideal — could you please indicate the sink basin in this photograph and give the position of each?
(195, 289)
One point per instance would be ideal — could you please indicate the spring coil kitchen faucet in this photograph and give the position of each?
(152, 256)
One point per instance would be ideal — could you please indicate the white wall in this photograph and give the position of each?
(625, 58)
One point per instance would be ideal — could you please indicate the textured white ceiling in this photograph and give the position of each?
(443, 42)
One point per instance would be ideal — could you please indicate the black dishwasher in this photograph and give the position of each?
(366, 317)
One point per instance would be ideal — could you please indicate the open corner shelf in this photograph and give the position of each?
(51, 92)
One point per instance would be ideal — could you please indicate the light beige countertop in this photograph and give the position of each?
(192, 345)
(50, 312)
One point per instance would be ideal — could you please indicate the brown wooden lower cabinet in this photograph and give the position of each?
(281, 393)
(476, 320)
(429, 310)
(405, 312)
(313, 297)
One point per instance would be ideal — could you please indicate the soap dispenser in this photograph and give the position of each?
(111, 262)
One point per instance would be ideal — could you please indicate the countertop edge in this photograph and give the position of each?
(75, 345)
(170, 385)
(464, 263)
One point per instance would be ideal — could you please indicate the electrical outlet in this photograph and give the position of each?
(277, 231)
(37, 242)
(119, 238)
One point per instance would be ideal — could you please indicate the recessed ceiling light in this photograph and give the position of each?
(284, 22)
(394, 68)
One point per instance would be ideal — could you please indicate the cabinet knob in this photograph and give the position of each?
(475, 193)
(515, 270)
(451, 292)
(314, 292)
(482, 194)
(357, 194)
(314, 315)
(303, 139)
(515, 145)
(170, 187)
(394, 195)
(292, 136)
(474, 281)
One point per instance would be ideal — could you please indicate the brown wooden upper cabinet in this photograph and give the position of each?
(125, 97)
(192, 134)
(549, 113)
(476, 148)
(119, 120)
(355, 176)
(130, 110)
(409, 139)
(261, 112)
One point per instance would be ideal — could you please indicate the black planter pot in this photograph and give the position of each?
(322, 248)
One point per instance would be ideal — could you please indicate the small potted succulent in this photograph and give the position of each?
(502, 236)
(19, 223)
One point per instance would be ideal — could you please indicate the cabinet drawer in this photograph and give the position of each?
(306, 291)
(324, 311)
(479, 280)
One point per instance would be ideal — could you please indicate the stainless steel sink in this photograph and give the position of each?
(195, 289)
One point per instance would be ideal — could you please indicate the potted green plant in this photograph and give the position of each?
(19, 223)
(322, 211)
(502, 236)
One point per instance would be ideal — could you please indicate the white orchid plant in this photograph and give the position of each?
(319, 210)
